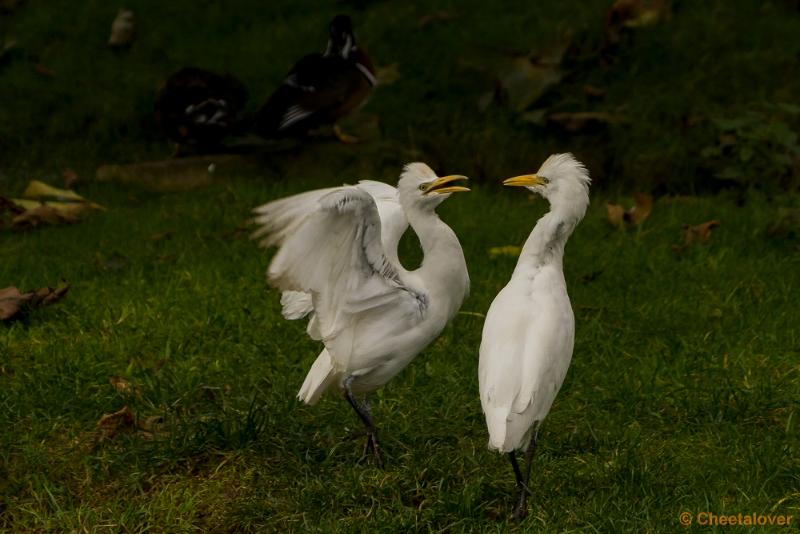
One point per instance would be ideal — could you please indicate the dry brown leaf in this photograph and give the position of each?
(592, 91)
(616, 214)
(632, 14)
(584, 120)
(121, 385)
(44, 204)
(70, 177)
(8, 205)
(700, 233)
(622, 218)
(44, 71)
(123, 29)
(111, 424)
(13, 302)
(41, 214)
(161, 236)
(433, 18)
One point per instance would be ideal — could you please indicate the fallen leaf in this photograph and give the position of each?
(507, 250)
(584, 120)
(161, 236)
(439, 16)
(616, 214)
(387, 75)
(44, 204)
(621, 218)
(123, 29)
(153, 424)
(111, 424)
(44, 71)
(633, 14)
(13, 302)
(121, 385)
(70, 177)
(692, 235)
(592, 91)
(41, 214)
(37, 190)
(9, 205)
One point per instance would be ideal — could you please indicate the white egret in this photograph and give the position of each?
(529, 331)
(337, 260)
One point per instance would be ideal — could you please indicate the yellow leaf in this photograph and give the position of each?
(508, 250)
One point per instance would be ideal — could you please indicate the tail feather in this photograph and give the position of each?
(497, 424)
(320, 377)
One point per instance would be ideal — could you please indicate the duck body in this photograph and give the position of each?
(197, 108)
(320, 88)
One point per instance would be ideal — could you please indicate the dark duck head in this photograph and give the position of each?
(197, 108)
(341, 41)
(320, 88)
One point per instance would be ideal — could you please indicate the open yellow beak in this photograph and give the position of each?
(526, 180)
(437, 186)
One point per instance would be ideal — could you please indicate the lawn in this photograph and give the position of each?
(684, 390)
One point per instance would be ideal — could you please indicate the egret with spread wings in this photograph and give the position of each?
(529, 331)
(337, 262)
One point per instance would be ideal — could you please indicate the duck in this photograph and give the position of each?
(198, 108)
(320, 89)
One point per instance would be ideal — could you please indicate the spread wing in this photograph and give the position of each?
(336, 255)
(281, 218)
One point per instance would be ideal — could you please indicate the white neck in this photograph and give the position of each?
(443, 269)
(546, 243)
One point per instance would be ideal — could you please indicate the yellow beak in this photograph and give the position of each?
(526, 180)
(436, 186)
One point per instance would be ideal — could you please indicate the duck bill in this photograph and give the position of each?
(526, 180)
(440, 187)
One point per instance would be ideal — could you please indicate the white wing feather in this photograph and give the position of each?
(335, 254)
(281, 218)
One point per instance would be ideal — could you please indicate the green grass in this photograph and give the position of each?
(683, 392)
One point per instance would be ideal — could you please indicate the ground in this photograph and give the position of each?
(684, 389)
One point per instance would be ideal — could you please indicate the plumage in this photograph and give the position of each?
(197, 108)
(320, 88)
(338, 247)
(529, 332)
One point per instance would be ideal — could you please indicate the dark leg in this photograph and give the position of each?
(521, 510)
(364, 414)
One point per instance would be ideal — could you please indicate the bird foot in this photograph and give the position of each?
(521, 509)
(344, 137)
(371, 448)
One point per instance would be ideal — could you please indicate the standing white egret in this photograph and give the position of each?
(335, 262)
(529, 331)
